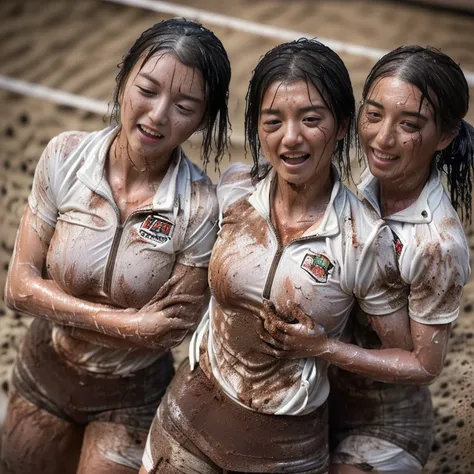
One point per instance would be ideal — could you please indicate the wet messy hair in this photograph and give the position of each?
(316, 64)
(198, 48)
(443, 85)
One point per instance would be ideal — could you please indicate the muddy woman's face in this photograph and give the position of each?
(297, 132)
(162, 105)
(398, 132)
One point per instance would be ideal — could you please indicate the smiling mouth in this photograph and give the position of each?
(383, 156)
(295, 159)
(149, 132)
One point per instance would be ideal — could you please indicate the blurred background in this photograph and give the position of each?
(58, 61)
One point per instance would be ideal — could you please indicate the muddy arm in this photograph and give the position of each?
(163, 322)
(28, 292)
(305, 338)
(420, 365)
(174, 312)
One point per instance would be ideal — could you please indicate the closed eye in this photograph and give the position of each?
(145, 91)
(184, 109)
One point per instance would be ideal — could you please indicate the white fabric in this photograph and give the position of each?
(347, 256)
(382, 455)
(94, 256)
(147, 459)
(434, 257)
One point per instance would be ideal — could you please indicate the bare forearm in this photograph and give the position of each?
(99, 339)
(384, 365)
(35, 296)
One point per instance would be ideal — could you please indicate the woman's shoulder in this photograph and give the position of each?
(363, 215)
(234, 184)
(444, 232)
(236, 173)
(64, 144)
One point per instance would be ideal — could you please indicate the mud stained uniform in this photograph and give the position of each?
(226, 407)
(390, 426)
(94, 256)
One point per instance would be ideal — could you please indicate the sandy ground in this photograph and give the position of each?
(75, 47)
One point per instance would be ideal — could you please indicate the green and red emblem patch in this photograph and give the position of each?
(318, 266)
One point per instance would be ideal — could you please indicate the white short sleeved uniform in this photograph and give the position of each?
(348, 255)
(95, 256)
(390, 426)
(432, 250)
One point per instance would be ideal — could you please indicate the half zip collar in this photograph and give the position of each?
(94, 153)
(419, 212)
(329, 226)
(92, 173)
(165, 196)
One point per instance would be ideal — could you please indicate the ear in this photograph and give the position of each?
(341, 133)
(446, 139)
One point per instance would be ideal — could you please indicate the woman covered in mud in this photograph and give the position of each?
(296, 245)
(111, 258)
(411, 128)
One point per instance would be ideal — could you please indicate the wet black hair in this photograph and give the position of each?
(310, 61)
(443, 85)
(196, 47)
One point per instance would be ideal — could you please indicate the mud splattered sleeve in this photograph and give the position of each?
(438, 270)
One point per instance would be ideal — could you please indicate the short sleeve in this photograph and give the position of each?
(50, 181)
(235, 183)
(42, 197)
(379, 287)
(439, 269)
(201, 232)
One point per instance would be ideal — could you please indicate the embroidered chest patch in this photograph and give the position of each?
(157, 229)
(318, 266)
(398, 245)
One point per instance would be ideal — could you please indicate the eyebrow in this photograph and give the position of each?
(408, 113)
(182, 94)
(310, 108)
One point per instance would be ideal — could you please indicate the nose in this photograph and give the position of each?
(386, 135)
(292, 135)
(159, 111)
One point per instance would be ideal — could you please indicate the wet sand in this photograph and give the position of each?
(75, 47)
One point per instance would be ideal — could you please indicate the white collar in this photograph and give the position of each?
(93, 170)
(329, 226)
(419, 212)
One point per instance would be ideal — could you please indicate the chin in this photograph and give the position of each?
(296, 181)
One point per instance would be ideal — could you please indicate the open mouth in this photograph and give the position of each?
(295, 159)
(384, 156)
(148, 132)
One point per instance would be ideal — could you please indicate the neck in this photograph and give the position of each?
(398, 195)
(135, 169)
(303, 200)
